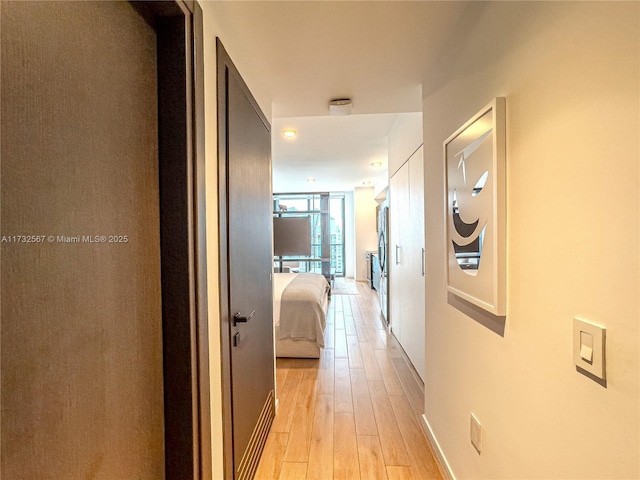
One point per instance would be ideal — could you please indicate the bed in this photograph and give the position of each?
(299, 314)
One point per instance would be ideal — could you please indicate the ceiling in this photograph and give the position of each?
(337, 152)
(297, 56)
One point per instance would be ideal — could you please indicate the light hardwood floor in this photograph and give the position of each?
(355, 412)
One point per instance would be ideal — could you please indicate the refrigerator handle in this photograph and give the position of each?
(397, 255)
(423, 262)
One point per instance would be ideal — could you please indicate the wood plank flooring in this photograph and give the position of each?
(355, 412)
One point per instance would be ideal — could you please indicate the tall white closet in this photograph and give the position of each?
(406, 248)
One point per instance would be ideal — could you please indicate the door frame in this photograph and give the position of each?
(225, 67)
(185, 335)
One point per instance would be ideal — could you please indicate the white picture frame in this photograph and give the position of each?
(475, 209)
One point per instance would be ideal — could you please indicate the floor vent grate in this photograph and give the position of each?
(251, 458)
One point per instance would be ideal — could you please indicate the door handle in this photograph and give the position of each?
(423, 262)
(237, 318)
(397, 255)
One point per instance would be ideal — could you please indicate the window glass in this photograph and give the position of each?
(311, 204)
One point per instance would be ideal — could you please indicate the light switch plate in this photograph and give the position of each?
(476, 433)
(584, 331)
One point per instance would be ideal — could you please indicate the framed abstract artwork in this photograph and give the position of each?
(475, 185)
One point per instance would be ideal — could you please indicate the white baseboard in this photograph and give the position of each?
(443, 465)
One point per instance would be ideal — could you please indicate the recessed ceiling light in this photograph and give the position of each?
(376, 164)
(289, 133)
(311, 180)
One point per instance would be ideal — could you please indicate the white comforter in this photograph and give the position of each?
(300, 306)
(280, 282)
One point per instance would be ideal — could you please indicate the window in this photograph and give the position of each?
(326, 214)
(336, 231)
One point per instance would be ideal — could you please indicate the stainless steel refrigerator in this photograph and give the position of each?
(383, 248)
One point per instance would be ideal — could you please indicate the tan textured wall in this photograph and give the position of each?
(81, 322)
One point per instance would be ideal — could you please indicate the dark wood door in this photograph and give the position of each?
(98, 290)
(249, 305)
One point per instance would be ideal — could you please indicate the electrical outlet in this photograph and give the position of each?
(476, 433)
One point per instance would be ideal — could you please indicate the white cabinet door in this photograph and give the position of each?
(399, 222)
(412, 311)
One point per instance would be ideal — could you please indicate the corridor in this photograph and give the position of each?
(355, 412)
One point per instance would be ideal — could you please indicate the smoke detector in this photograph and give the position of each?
(340, 106)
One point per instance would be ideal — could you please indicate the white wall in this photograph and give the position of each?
(404, 138)
(570, 73)
(381, 186)
(211, 30)
(365, 220)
